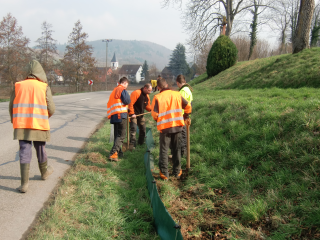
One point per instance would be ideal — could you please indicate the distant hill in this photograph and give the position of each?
(128, 52)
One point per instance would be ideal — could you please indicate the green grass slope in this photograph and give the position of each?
(284, 71)
(255, 151)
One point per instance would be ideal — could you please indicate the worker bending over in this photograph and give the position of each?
(139, 101)
(186, 92)
(166, 109)
(117, 113)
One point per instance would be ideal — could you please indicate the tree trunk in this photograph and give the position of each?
(230, 17)
(302, 33)
(254, 29)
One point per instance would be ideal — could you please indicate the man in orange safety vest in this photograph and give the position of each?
(166, 109)
(117, 113)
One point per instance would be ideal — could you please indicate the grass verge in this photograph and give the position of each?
(283, 71)
(4, 100)
(99, 199)
(255, 166)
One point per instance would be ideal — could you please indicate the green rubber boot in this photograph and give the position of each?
(24, 171)
(45, 170)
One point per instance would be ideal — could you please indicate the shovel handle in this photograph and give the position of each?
(141, 114)
(188, 147)
(128, 133)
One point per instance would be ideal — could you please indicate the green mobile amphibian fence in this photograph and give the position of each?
(166, 227)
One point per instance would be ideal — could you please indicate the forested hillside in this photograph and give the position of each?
(129, 52)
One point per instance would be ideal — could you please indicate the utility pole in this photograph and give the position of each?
(106, 41)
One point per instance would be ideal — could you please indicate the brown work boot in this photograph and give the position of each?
(114, 157)
(163, 176)
(178, 176)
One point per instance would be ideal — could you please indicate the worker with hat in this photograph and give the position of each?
(30, 107)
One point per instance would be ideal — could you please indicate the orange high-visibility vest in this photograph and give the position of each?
(115, 106)
(170, 110)
(30, 105)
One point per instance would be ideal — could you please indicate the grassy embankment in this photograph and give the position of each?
(255, 165)
(255, 154)
(98, 199)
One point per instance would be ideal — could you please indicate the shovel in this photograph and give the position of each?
(188, 148)
(186, 171)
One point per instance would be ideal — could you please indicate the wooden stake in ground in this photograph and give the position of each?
(128, 133)
(188, 147)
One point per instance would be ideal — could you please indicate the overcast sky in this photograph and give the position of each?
(115, 19)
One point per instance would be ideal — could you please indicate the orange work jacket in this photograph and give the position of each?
(170, 110)
(30, 105)
(115, 106)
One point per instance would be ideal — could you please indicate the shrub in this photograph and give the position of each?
(223, 54)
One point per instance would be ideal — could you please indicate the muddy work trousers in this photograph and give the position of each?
(119, 136)
(141, 123)
(165, 140)
(25, 151)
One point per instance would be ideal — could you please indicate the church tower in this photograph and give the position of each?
(114, 62)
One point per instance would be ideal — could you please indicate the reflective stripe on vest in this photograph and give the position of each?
(170, 110)
(30, 105)
(170, 120)
(114, 105)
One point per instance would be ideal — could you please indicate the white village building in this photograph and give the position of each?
(132, 72)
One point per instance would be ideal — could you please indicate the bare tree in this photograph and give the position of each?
(201, 58)
(153, 71)
(258, 8)
(203, 18)
(283, 19)
(302, 32)
(47, 49)
(261, 50)
(78, 64)
(315, 26)
(13, 49)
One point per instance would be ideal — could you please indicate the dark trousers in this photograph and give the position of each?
(165, 140)
(25, 151)
(141, 123)
(119, 136)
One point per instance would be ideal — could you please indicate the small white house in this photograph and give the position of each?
(132, 72)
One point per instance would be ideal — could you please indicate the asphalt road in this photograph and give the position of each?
(75, 119)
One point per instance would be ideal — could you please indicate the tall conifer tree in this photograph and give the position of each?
(178, 64)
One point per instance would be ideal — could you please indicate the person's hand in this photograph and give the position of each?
(188, 121)
(133, 116)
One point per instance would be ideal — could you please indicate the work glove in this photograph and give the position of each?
(187, 122)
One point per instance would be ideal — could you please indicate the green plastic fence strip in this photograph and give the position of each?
(149, 140)
(163, 221)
